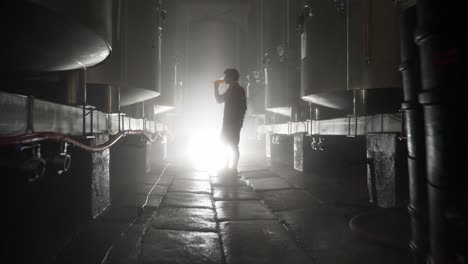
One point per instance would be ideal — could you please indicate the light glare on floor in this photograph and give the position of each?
(206, 150)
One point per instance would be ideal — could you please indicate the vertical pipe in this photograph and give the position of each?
(414, 127)
(347, 45)
(368, 33)
(119, 19)
(261, 54)
(75, 82)
(113, 98)
(176, 87)
(311, 119)
(82, 84)
(354, 103)
(30, 125)
(91, 123)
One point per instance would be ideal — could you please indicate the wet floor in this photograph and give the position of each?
(263, 216)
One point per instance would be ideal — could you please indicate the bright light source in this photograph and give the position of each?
(206, 150)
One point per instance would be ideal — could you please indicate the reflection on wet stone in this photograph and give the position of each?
(182, 247)
(259, 242)
(193, 219)
(194, 186)
(189, 200)
(242, 210)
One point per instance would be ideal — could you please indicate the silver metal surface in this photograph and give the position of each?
(323, 58)
(53, 35)
(135, 64)
(354, 126)
(52, 117)
(356, 48)
(279, 52)
(373, 45)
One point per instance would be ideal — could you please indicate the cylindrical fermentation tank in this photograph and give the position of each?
(373, 45)
(350, 55)
(279, 42)
(255, 85)
(172, 63)
(135, 63)
(323, 53)
(56, 35)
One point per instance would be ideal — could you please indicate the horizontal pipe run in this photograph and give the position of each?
(32, 138)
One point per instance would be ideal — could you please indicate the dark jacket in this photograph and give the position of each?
(235, 106)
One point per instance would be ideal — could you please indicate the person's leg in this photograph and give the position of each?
(235, 157)
(235, 149)
(226, 147)
(227, 157)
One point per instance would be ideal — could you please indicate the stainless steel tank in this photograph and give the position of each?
(135, 63)
(55, 35)
(255, 85)
(323, 54)
(374, 45)
(255, 91)
(279, 42)
(171, 62)
(374, 56)
(350, 55)
(170, 93)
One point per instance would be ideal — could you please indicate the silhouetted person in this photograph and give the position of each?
(235, 106)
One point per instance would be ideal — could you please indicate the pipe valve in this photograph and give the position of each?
(314, 144)
(61, 162)
(320, 143)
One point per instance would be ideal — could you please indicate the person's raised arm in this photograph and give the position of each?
(219, 97)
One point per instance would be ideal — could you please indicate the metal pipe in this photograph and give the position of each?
(311, 119)
(320, 144)
(119, 15)
(32, 138)
(368, 33)
(61, 162)
(313, 144)
(30, 124)
(113, 99)
(75, 82)
(76, 91)
(414, 126)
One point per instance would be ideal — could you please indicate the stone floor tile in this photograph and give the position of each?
(136, 200)
(193, 186)
(319, 228)
(181, 247)
(258, 174)
(92, 243)
(193, 175)
(234, 193)
(188, 219)
(119, 214)
(281, 200)
(242, 210)
(259, 242)
(127, 250)
(265, 184)
(224, 181)
(166, 180)
(139, 188)
(187, 200)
